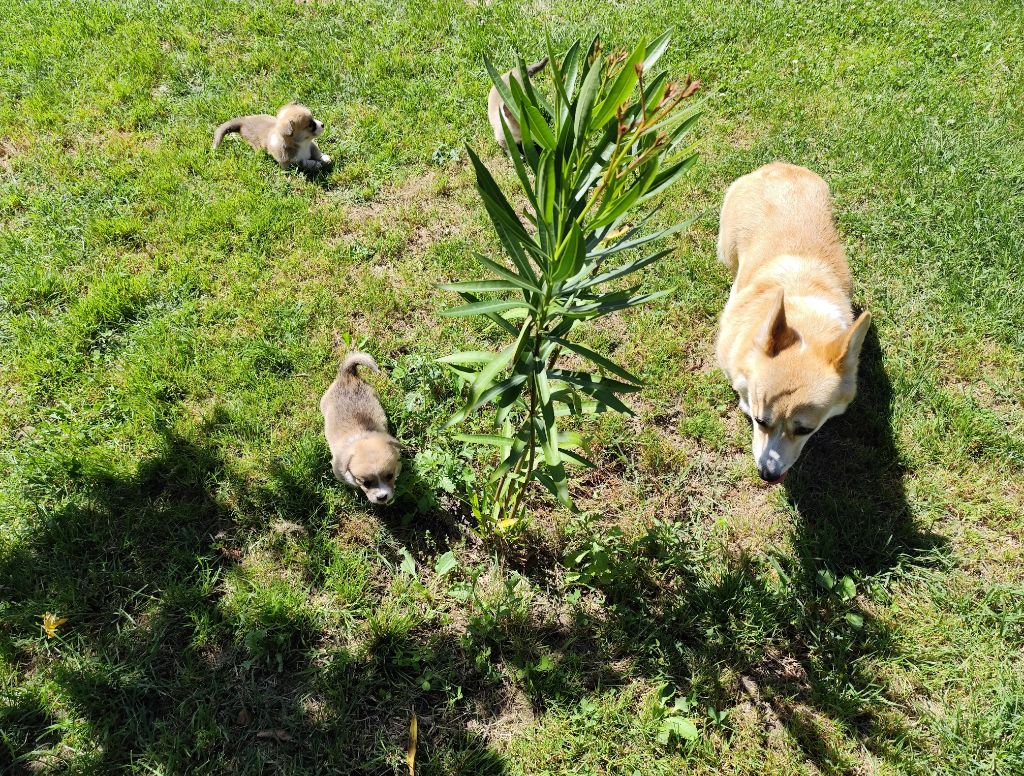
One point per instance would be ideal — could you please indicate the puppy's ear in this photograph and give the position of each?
(340, 462)
(400, 446)
(289, 128)
(846, 349)
(775, 334)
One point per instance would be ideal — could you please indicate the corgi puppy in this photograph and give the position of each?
(288, 136)
(496, 108)
(787, 342)
(363, 453)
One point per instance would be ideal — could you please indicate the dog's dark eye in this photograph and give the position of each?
(762, 422)
(802, 430)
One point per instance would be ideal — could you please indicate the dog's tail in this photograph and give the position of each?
(536, 66)
(234, 125)
(350, 366)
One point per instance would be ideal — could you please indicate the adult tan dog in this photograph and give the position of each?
(288, 136)
(788, 342)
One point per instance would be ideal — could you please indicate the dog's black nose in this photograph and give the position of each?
(768, 475)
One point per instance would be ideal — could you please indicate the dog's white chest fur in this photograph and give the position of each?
(301, 153)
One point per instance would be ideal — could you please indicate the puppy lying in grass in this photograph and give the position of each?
(288, 136)
(496, 108)
(788, 341)
(363, 454)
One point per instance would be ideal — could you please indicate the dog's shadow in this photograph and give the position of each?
(849, 485)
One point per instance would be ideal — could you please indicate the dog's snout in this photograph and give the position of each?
(770, 471)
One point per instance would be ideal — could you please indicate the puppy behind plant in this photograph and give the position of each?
(288, 136)
(788, 342)
(363, 453)
(496, 108)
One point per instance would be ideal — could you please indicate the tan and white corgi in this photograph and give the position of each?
(787, 342)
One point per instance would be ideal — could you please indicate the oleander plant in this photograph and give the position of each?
(598, 145)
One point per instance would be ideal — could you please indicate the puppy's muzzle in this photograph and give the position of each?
(381, 497)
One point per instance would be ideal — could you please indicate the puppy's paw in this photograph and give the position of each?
(325, 160)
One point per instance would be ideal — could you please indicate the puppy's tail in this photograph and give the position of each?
(536, 66)
(350, 366)
(234, 125)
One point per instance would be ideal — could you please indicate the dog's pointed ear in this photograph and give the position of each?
(846, 349)
(775, 334)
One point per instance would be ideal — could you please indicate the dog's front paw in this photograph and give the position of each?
(325, 160)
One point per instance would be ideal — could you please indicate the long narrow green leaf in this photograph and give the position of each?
(570, 439)
(573, 254)
(669, 176)
(492, 440)
(620, 89)
(655, 49)
(527, 144)
(517, 163)
(506, 391)
(598, 309)
(497, 205)
(578, 408)
(502, 87)
(478, 308)
(570, 68)
(585, 380)
(540, 128)
(600, 392)
(597, 358)
(509, 275)
(624, 270)
(468, 357)
(481, 285)
(680, 121)
(585, 101)
(575, 457)
(485, 378)
(493, 317)
(554, 479)
(627, 244)
(614, 208)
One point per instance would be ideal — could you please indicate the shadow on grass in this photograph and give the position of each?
(784, 635)
(156, 665)
(160, 666)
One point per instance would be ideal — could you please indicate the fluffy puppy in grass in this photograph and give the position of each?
(363, 453)
(496, 108)
(288, 136)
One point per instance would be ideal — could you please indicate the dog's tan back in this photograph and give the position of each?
(787, 340)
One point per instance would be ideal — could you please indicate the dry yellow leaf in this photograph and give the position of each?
(51, 622)
(410, 751)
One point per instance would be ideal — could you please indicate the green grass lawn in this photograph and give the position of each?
(170, 316)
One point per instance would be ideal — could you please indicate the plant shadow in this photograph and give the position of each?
(157, 661)
(783, 636)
